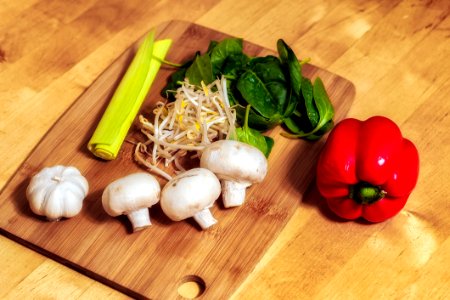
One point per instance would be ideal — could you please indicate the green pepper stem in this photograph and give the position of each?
(366, 193)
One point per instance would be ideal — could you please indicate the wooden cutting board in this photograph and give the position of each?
(154, 262)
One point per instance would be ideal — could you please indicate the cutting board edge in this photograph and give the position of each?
(71, 265)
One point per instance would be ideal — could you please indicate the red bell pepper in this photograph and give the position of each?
(367, 169)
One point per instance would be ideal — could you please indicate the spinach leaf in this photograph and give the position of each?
(323, 104)
(255, 120)
(200, 70)
(317, 119)
(292, 124)
(211, 46)
(176, 77)
(294, 71)
(254, 91)
(263, 85)
(292, 102)
(318, 134)
(256, 139)
(172, 84)
(270, 71)
(269, 145)
(233, 65)
(262, 59)
(310, 108)
(268, 68)
(279, 95)
(222, 51)
(289, 59)
(253, 137)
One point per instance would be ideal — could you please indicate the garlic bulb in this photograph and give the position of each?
(57, 192)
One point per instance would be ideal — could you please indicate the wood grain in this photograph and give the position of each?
(396, 54)
(152, 264)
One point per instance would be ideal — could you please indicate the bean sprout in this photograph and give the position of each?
(197, 117)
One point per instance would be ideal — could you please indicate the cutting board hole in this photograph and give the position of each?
(191, 287)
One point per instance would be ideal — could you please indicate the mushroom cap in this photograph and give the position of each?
(189, 192)
(235, 161)
(130, 193)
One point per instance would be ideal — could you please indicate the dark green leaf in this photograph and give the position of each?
(172, 83)
(269, 142)
(211, 46)
(289, 59)
(200, 70)
(231, 87)
(319, 133)
(176, 77)
(256, 94)
(279, 94)
(292, 125)
(234, 65)
(223, 50)
(323, 104)
(310, 107)
(255, 120)
(268, 68)
(256, 139)
(325, 110)
(292, 103)
(253, 137)
(262, 59)
(270, 71)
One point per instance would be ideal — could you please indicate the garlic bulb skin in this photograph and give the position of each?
(57, 192)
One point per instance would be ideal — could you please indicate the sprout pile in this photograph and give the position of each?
(198, 116)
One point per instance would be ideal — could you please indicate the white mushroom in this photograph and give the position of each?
(57, 192)
(132, 196)
(191, 194)
(237, 165)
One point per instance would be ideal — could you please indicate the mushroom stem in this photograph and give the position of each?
(140, 219)
(204, 218)
(233, 193)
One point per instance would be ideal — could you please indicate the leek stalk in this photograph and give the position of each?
(120, 113)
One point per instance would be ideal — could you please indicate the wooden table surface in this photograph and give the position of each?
(395, 52)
